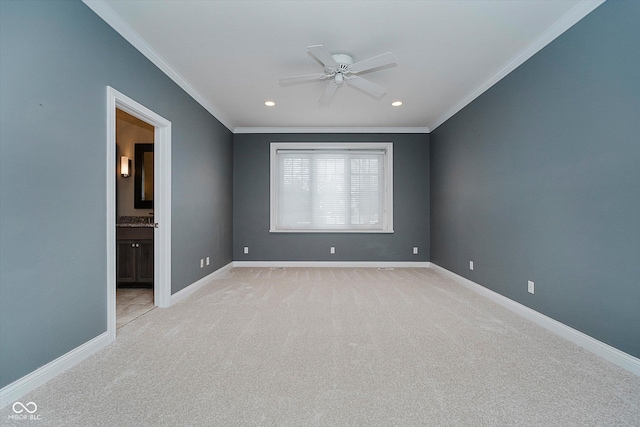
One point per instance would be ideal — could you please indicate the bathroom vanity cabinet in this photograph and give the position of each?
(135, 255)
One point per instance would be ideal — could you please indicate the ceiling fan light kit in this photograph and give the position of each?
(339, 68)
(342, 58)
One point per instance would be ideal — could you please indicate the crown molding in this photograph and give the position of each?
(102, 9)
(331, 130)
(567, 21)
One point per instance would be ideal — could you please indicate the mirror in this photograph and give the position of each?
(143, 186)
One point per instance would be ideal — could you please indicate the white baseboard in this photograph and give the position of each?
(182, 294)
(585, 341)
(347, 264)
(35, 379)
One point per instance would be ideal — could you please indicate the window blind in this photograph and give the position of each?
(329, 189)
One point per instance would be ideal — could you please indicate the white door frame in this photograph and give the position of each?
(161, 202)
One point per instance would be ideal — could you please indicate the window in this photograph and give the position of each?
(331, 187)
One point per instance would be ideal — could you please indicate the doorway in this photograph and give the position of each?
(161, 202)
(134, 218)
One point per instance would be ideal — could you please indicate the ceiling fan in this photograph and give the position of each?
(339, 68)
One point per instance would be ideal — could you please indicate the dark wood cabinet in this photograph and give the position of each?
(135, 256)
(144, 261)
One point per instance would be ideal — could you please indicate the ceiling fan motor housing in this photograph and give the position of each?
(344, 62)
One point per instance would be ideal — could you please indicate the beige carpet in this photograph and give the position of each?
(333, 347)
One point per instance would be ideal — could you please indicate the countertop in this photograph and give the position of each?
(135, 222)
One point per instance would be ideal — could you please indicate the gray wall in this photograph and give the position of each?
(56, 60)
(251, 205)
(539, 179)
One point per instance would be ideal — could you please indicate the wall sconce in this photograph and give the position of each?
(125, 166)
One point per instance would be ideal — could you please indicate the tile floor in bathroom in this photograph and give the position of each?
(132, 303)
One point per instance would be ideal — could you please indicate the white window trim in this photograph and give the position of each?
(388, 187)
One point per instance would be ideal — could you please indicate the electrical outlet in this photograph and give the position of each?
(332, 250)
(415, 250)
(207, 261)
(470, 265)
(531, 287)
(201, 263)
(246, 249)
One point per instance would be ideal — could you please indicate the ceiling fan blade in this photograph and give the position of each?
(303, 78)
(321, 54)
(328, 93)
(366, 86)
(374, 62)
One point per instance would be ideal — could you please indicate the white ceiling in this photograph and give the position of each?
(229, 55)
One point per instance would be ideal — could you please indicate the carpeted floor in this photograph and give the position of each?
(334, 347)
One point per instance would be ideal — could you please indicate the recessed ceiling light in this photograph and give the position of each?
(396, 103)
(269, 103)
